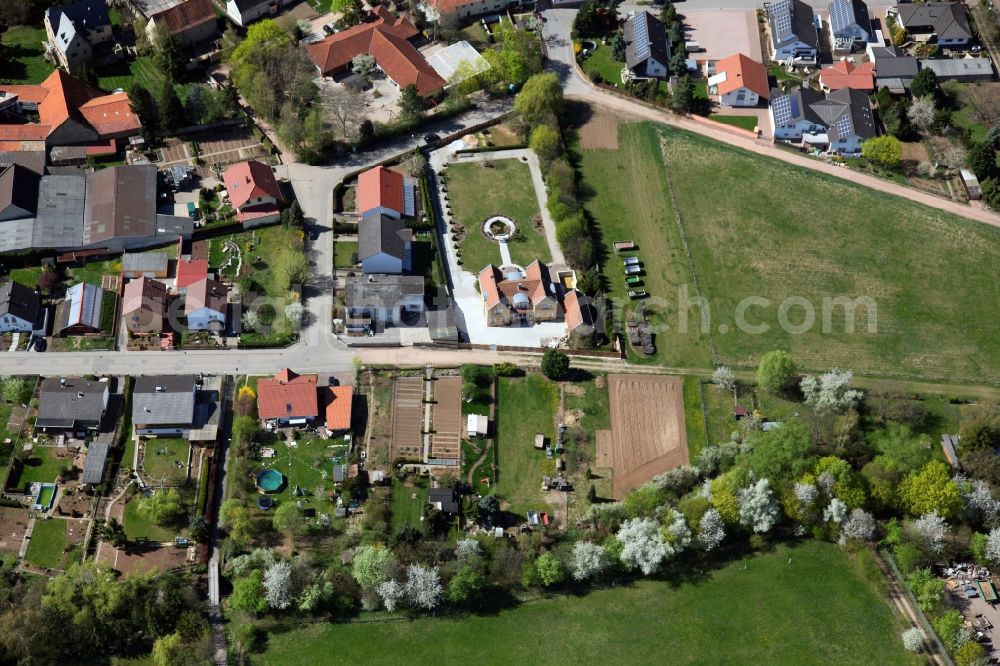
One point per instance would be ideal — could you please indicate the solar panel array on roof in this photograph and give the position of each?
(641, 33)
(781, 13)
(782, 109)
(844, 126)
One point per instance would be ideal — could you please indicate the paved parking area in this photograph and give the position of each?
(722, 32)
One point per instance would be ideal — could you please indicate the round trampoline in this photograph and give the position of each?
(265, 503)
(269, 480)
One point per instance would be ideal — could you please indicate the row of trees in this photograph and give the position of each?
(275, 77)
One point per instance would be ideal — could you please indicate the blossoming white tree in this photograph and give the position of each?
(642, 547)
(589, 560)
(758, 507)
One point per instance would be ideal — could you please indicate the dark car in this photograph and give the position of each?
(431, 138)
(313, 234)
(328, 29)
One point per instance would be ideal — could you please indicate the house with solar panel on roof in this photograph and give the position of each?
(647, 49)
(836, 123)
(81, 311)
(850, 25)
(792, 27)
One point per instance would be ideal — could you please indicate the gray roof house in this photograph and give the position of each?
(385, 245)
(444, 500)
(74, 29)
(164, 405)
(893, 69)
(963, 70)
(850, 25)
(71, 404)
(18, 192)
(376, 301)
(839, 122)
(113, 208)
(946, 23)
(19, 308)
(647, 49)
(793, 32)
(150, 264)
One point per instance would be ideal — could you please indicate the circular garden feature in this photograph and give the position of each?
(269, 480)
(499, 228)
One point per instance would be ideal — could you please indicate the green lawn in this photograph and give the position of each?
(930, 275)
(602, 62)
(525, 406)
(694, 417)
(93, 271)
(408, 502)
(629, 201)
(41, 467)
(963, 117)
(123, 74)
(743, 122)
(307, 465)
(344, 254)
(23, 61)
(47, 544)
(265, 251)
(161, 458)
(140, 528)
(477, 193)
(27, 276)
(803, 605)
(592, 402)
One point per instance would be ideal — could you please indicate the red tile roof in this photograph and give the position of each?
(380, 188)
(742, 72)
(62, 97)
(337, 407)
(188, 14)
(495, 286)
(111, 115)
(250, 180)
(26, 93)
(288, 395)
(843, 74)
(385, 38)
(449, 6)
(190, 271)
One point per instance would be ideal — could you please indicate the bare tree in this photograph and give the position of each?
(346, 108)
(363, 64)
(984, 100)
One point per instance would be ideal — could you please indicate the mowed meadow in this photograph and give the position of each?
(807, 604)
(757, 227)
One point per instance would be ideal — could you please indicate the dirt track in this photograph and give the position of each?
(647, 429)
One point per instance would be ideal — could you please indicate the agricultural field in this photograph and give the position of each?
(525, 406)
(23, 61)
(647, 429)
(804, 604)
(47, 544)
(477, 193)
(928, 273)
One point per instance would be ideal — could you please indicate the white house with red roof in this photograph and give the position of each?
(288, 398)
(382, 191)
(253, 192)
(739, 81)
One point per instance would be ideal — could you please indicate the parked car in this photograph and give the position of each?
(431, 138)
(632, 261)
(633, 270)
(637, 293)
(328, 29)
(633, 280)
